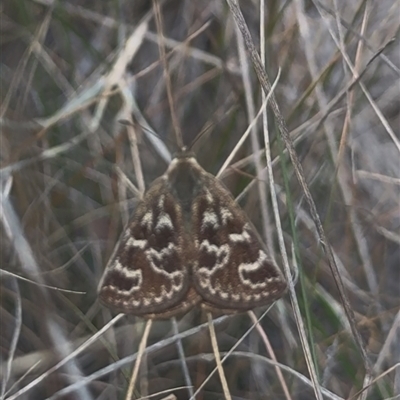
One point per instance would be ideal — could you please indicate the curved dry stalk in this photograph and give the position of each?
(142, 348)
(218, 358)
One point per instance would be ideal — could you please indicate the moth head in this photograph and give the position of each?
(183, 153)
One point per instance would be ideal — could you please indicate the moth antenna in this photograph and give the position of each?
(210, 125)
(200, 135)
(159, 144)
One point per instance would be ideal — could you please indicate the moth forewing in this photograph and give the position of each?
(148, 274)
(232, 269)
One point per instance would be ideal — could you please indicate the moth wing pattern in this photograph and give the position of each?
(147, 275)
(232, 270)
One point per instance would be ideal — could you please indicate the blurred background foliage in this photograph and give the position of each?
(72, 173)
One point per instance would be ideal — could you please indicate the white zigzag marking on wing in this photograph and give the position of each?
(212, 248)
(254, 266)
(166, 251)
(128, 273)
(161, 202)
(138, 243)
(225, 215)
(209, 218)
(243, 237)
(164, 220)
(152, 254)
(209, 197)
(235, 296)
(167, 294)
(206, 273)
(147, 220)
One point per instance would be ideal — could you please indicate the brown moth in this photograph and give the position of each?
(189, 242)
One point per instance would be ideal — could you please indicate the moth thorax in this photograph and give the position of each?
(184, 184)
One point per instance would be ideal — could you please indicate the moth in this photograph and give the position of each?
(188, 243)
